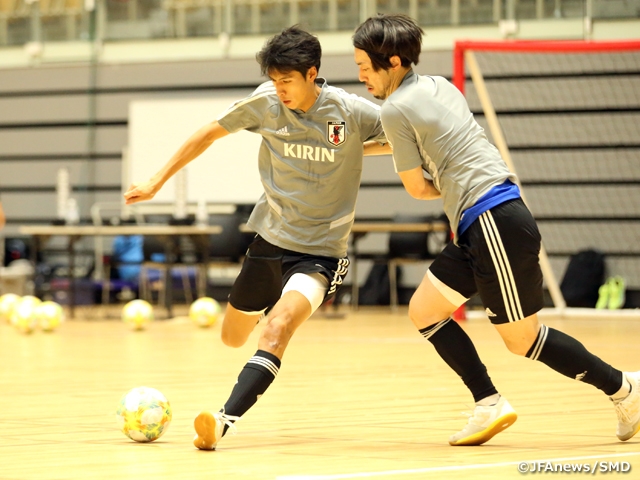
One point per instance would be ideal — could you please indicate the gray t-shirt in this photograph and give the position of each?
(428, 123)
(310, 165)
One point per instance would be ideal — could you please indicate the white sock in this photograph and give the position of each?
(624, 391)
(488, 401)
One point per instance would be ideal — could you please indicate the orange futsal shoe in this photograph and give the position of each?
(210, 428)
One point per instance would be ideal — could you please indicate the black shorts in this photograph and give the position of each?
(267, 269)
(497, 257)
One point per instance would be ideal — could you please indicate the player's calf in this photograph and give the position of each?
(237, 326)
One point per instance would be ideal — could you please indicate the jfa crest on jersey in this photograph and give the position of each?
(336, 133)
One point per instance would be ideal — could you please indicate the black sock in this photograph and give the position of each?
(456, 348)
(569, 357)
(253, 381)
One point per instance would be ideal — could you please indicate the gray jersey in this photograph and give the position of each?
(310, 165)
(428, 123)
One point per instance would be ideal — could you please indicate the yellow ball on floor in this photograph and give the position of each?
(137, 314)
(8, 302)
(49, 315)
(205, 312)
(31, 300)
(144, 414)
(24, 316)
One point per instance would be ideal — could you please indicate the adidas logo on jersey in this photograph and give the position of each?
(284, 131)
(307, 152)
(489, 312)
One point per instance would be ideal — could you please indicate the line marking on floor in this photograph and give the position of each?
(476, 466)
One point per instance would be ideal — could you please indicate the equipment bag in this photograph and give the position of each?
(585, 273)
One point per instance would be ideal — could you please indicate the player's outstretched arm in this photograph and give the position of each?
(417, 185)
(374, 148)
(191, 149)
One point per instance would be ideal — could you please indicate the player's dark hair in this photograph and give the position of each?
(292, 49)
(384, 36)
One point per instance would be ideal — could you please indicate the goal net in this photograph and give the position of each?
(566, 117)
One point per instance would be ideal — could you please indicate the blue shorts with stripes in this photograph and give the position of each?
(267, 269)
(497, 257)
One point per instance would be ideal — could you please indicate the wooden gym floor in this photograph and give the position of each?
(364, 396)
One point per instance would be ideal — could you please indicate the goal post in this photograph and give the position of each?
(591, 73)
(525, 46)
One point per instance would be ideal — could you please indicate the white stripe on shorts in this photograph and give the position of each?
(503, 267)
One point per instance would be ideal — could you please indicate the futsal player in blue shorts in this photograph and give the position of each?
(314, 137)
(495, 252)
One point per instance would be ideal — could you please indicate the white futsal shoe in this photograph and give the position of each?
(210, 428)
(484, 423)
(628, 409)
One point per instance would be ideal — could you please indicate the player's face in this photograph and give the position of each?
(378, 83)
(295, 91)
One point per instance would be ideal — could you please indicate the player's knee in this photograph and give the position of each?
(415, 315)
(519, 336)
(520, 346)
(423, 317)
(279, 330)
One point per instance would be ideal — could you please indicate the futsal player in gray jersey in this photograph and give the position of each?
(496, 244)
(314, 137)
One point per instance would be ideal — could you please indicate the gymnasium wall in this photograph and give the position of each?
(75, 116)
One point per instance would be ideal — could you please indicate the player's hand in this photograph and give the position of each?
(139, 192)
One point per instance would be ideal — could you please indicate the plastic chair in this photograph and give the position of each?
(155, 258)
(121, 269)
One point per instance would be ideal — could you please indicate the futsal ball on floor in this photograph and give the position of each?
(137, 314)
(49, 316)
(144, 414)
(30, 300)
(205, 312)
(8, 302)
(24, 316)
